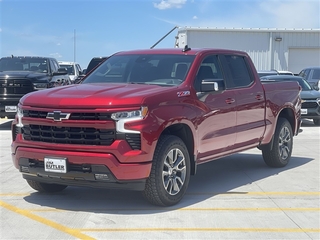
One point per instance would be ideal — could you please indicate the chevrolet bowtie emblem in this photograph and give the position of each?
(58, 115)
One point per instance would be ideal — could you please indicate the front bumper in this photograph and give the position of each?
(8, 104)
(312, 113)
(83, 169)
(310, 109)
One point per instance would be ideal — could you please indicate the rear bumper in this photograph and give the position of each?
(83, 169)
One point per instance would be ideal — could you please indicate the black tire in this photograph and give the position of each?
(45, 187)
(170, 172)
(316, 122)
(282, 144)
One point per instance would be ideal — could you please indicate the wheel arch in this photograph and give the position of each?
(184, 132)
(288, 114)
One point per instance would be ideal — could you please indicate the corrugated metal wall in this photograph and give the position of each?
(266, 52)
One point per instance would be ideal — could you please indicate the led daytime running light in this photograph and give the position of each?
(19, 116)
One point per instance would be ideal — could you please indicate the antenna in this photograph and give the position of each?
(186, 48)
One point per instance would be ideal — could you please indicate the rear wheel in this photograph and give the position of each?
(170, 172)
(45, 187)
(281, 146)
(316, 122)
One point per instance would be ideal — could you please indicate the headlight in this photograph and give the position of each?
(130, 114)
(19, 116)
(122, 117)
(39, 86)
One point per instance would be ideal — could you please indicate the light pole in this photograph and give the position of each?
(74, 45)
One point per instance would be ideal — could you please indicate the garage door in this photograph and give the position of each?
(300, 58)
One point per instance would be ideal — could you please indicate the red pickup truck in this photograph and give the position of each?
(143, 120)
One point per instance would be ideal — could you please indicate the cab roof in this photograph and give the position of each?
(182, 51)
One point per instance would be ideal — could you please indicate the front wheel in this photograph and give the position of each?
(316, 122)
(170, 172)
(281, 146)
(45, 187)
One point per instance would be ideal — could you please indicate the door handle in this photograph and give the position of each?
(259, 97)
(230, 100)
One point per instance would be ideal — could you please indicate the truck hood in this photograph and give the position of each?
(21, 74)
(312, 94)
(92, 95)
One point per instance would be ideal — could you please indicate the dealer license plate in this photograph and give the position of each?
(304, 111)
(11, 108)
(57, 165)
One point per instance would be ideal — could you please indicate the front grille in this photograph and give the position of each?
(309, 105)
(15, 86)
(73, 116)
(90, 116)
(76, 135)
(34, 114)
(69, 135)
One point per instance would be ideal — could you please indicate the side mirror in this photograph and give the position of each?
(61, 71)
(316, 87)
(212, 85)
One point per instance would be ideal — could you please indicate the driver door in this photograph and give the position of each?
(216, 128)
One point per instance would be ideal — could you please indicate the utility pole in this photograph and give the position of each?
(74, 45)
(164, 37)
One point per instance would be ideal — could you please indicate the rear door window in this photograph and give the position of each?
(239, 71)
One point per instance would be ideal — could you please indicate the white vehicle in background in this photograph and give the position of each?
(285, 73)
(73, 69)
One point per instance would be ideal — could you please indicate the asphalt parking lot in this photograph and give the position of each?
(237, 197)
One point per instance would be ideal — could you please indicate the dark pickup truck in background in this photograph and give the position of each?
(94, 62)
(143, 120)
(22, 75)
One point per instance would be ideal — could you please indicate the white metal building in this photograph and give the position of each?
(280, 49)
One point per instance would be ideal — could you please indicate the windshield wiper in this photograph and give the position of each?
(137, 82)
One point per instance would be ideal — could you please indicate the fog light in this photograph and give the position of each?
(102, 177)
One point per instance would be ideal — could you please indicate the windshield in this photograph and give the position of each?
(24, 64)
(163, 70)
(304, 84)
(69, 68)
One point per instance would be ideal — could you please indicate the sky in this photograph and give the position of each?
(78, 30)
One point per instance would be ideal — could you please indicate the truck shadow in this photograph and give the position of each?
(218, 177)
